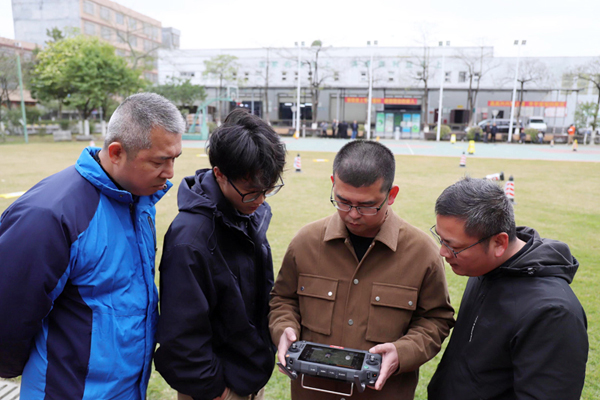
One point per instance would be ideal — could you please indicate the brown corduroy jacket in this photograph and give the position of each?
(397, 293)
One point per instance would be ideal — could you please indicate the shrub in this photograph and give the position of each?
(473, 131)
(444, 131)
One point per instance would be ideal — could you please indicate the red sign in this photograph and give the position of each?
(508, 103)
(387, 100)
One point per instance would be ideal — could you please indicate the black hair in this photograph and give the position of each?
(362, 163)
(483, 206)
(246, 147)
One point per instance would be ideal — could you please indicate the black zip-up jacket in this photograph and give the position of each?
(521, 332)
(215, 276)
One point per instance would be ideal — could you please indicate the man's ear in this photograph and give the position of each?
(116, 153)
(219, 175)
(499, 244)
(393, 193)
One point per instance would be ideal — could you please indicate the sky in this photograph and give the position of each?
(553, 28)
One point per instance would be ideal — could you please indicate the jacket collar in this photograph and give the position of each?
(388, 234)
(89, 168)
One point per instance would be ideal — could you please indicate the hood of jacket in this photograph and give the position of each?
(543, 258)
(201, 194)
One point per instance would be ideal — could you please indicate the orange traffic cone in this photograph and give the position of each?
(509, 189)
(463, 160)
(298, 163)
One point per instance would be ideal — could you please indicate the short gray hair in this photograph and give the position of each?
(132, 122)
(483, 206)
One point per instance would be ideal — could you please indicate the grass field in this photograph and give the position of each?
(560, 199)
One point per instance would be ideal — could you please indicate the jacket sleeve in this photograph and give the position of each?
(34, 257)
(430, 324)
(285, 309)
(549, 353)
(185, 356)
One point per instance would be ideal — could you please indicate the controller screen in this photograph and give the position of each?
(335, 357)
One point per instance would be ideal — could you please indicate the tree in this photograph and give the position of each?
(318, 73)
(478, 63)
(224, 68)
(531, 70)
(181, 92)
(422, 73)
(585, 113)
(83, 72)
(590, 72)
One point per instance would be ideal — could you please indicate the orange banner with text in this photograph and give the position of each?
(528, 103)
(379, 100)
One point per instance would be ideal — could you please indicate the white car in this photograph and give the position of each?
(537, 123)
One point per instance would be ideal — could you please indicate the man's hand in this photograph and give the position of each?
(389, 363)
(287, 338)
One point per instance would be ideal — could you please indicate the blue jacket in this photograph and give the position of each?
(216, 273)
(78, 303)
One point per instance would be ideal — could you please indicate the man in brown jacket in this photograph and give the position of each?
(363, 278)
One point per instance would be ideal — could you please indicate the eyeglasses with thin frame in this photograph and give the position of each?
(456, 253)
(251, 196)
(360, 209)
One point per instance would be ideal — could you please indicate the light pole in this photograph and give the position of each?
(514, 95)
(298, 114)
(370, 98)
(439, 123)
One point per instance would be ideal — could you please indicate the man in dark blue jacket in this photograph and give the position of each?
(521, 332)
(78, 303)
(216, 270)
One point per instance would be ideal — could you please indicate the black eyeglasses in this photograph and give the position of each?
(251, 196)
(360, 209)
(456, 253)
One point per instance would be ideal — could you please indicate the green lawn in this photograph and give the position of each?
(560, 199)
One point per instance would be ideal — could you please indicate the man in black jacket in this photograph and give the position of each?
(216, 270)
(521, 332)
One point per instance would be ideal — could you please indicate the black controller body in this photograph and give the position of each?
(333, 362)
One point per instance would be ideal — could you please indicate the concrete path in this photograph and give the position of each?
(559, 152)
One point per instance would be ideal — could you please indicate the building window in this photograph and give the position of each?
(409, 64)
(296, 76)
(89, 28)
(448, 77)
(151, 77)
(336, 76)
(88, 7)
(133, 41)
(105, 13)
(187, 74)
(132, 23)
(148, 45)
(283, 76)
(246, 76)
(106, 33)
(121, 53)
(147, 29)
(462, 76)
(363, 76)
(121, 37)
(390, 76)
(120, 18)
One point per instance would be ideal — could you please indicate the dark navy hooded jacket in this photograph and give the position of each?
(216, 273)
(78, 303)
(521, 332)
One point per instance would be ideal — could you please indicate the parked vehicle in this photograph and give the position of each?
(537, 123)
(502, 124)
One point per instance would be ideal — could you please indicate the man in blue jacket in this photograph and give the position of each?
(78, 304)
(216, 270)
(521, 331)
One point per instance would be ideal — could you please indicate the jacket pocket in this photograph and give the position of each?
(316, 296)
(390, 312)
